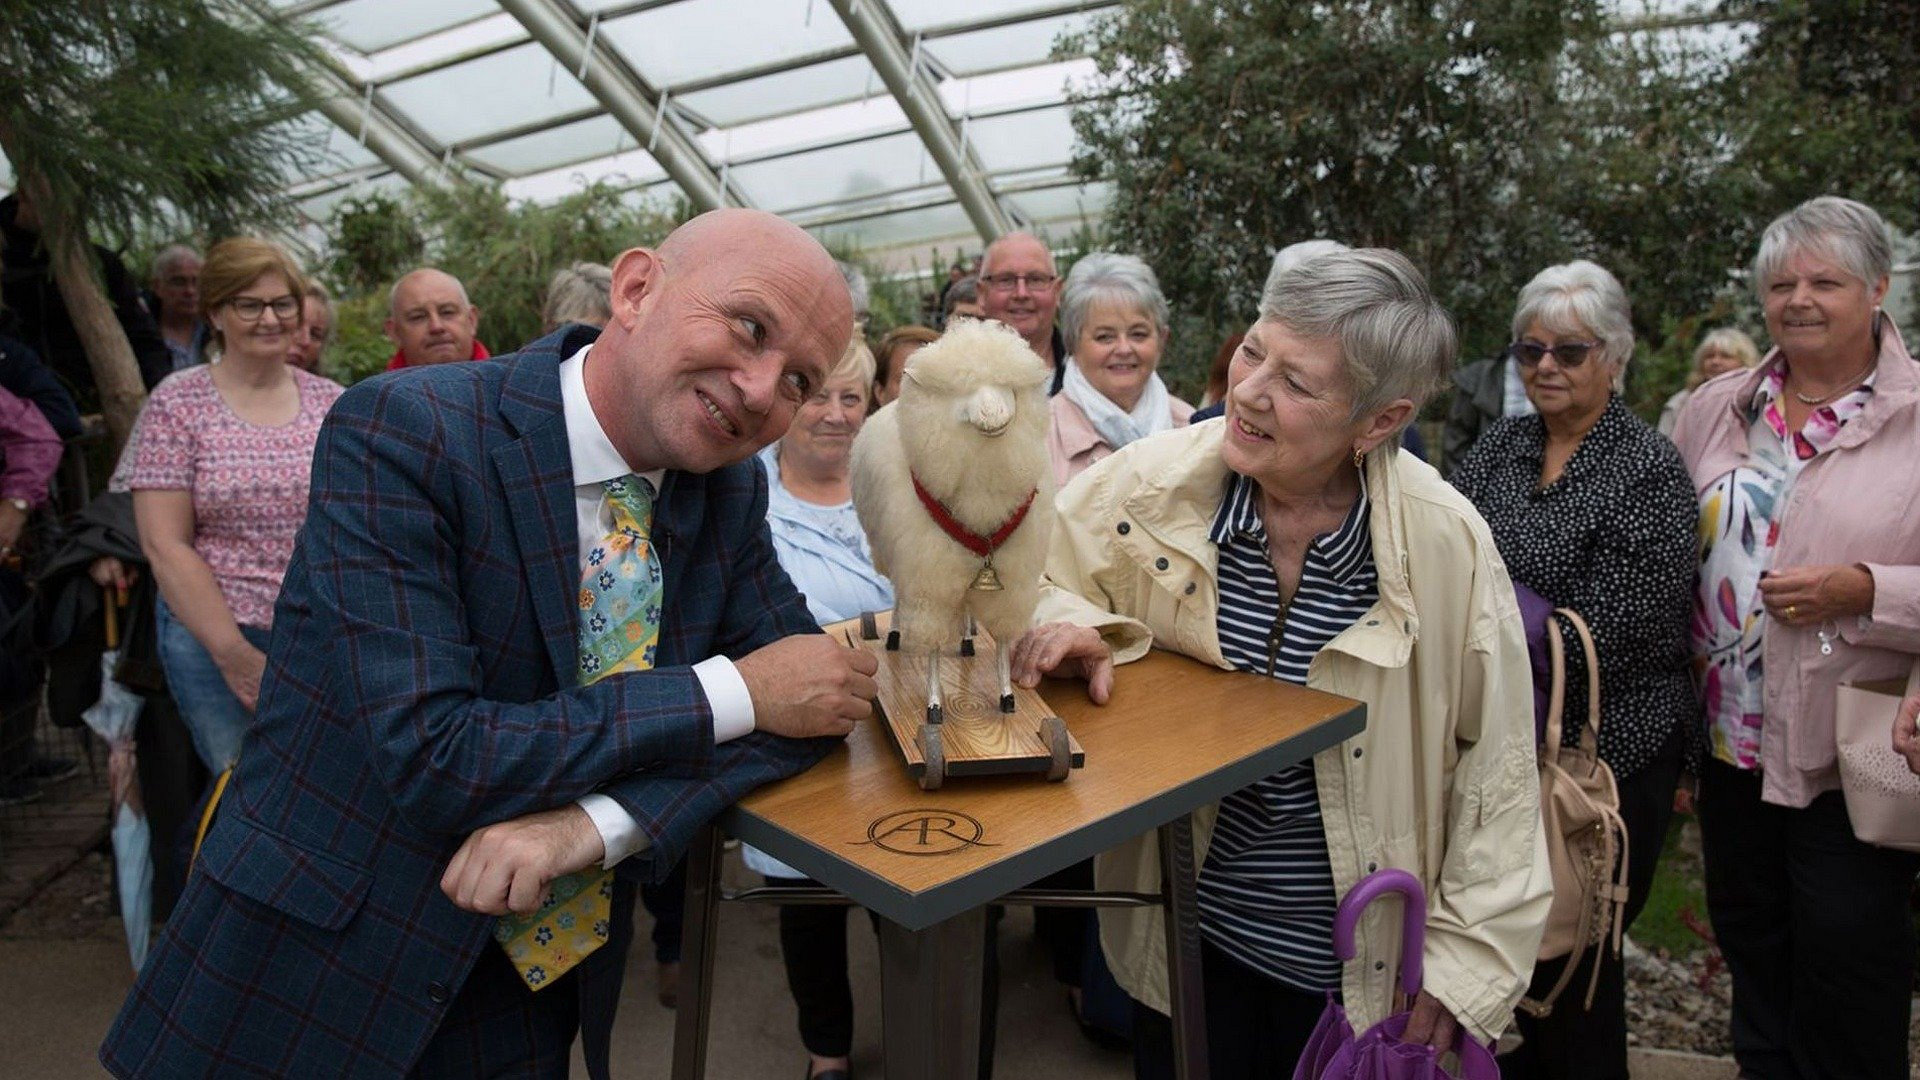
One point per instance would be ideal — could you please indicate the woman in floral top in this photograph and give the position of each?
(1809, 577)
(218, 466)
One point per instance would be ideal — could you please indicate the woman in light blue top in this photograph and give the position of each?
(819, 542)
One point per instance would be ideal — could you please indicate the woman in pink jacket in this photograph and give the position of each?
(1809, 577)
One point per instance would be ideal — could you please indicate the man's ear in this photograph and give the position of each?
(1387, 421)
(473, 313)
(392, 331)
(637, 276)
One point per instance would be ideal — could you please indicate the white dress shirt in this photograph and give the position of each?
(595, 462)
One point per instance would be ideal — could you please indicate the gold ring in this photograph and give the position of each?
(1790, 610)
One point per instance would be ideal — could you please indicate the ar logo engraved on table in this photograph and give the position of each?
(925, 832)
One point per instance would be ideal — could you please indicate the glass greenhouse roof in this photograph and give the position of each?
(893, 125)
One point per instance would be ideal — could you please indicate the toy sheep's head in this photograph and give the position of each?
(980, 374)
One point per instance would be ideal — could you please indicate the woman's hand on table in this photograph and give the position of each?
(1060, 648)
(1811, 595)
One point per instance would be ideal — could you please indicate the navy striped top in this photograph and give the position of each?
(1266, 890)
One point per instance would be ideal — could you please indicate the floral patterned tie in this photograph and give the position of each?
(619, 602)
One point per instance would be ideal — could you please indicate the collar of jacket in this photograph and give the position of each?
(1896, 387)
(1176, 505)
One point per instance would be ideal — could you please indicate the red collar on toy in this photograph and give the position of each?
(967, 538)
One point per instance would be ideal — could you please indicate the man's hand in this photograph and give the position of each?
(110, 573)
(808, 685)
(13, 521)
(1906, 741)
(1430, 1024)
(1061, 648)
(508, 867)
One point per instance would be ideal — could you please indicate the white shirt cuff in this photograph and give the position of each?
(727, 697)
(618, 831)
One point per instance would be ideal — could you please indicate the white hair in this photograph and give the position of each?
(856, 280)
(171, 256)
(1395, 339)
(580, 293)
(1852, 233)
(1294, 254)
(393, 294)
(1579, 297)
(1106, 277)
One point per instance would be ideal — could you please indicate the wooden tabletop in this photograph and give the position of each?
(1176, 735)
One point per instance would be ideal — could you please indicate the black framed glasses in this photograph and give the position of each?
(250, 308)
(1568, 354)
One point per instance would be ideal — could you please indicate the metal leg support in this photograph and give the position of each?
(930, 991)
(696, 956)
(1179, 885)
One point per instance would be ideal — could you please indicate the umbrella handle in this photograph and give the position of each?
(1412, 937)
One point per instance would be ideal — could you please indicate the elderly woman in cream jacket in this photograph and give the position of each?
(1292, 539)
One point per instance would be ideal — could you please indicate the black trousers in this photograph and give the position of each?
(813, 948)
(667, 903)
(1065, 931)
(1578, 1043)
(496, 1028)
(1256, 1028)
(1816, 931)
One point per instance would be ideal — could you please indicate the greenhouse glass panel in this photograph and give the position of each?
(1058, 211)
(631, 167)
(921, 14)
(1020, 45)
(702, 39)
(810, 87)
(837, 174)
(1024, 140)
(494, 93)
(836, 123)
(582, 140)
(910, 230)
(371, 25)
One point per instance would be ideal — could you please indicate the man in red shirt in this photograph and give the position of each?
(431, 321)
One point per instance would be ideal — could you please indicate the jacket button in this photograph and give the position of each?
(1357, 751)
(1373, 622)
(1372, 866)
(437, 992)
(1160, 563)
(1379, 965)
(1191, 587)
(1123, 528)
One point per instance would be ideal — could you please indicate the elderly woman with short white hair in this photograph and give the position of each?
(1592, 509)
(1113, 318)
(1809, 578)
(1292, 539)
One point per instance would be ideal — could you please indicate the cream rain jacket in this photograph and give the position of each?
(1443, 782)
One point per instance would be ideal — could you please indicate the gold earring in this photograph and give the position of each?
(1359, 458)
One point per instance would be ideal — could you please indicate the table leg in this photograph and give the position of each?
(930, 997)
(697, 937)
(1179, 885)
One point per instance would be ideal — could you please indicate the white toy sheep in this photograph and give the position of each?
(953, 486)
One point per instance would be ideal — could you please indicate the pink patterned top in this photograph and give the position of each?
(249, 483)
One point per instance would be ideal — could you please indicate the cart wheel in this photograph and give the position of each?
(1053, 731)
(1007, 704)
(936, 759)
(869, 627)
(966, 646)
(893, 641)
(936, 715)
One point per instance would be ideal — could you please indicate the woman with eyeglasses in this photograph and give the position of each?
(1592, 509)
(218, 466)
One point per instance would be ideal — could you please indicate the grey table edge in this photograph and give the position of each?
(917, 911)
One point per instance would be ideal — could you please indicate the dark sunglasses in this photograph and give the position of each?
(1568, 354)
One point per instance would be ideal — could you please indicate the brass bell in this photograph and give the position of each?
(988, 579)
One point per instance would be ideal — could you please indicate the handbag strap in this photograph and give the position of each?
(1557, 688)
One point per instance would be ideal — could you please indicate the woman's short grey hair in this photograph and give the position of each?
(1851, 233)
(1396, 340)
(581, 293)
(1294, 254)
(1579, 297)
(1105, 277)
(964, 290)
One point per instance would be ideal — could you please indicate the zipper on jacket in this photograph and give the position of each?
(1274, 635)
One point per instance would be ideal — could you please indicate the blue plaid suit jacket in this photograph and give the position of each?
(420, 686)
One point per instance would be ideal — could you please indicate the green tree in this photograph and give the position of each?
(115, 112)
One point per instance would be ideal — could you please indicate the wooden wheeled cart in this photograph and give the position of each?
(973, 731)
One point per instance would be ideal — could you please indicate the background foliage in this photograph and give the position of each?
(1488, 139)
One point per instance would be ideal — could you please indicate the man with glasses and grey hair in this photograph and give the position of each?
(1020, 286)
(174, 303)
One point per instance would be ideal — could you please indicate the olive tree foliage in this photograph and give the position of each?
(1488, 139)
(117, 113)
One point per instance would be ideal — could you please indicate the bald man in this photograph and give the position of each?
(431, 321)
(533, 636)
(1020, 286)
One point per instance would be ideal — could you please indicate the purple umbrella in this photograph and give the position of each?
(1334, 1052)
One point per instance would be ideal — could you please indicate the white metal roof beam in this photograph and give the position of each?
(354, 111)
(631, 103)
(919, 98)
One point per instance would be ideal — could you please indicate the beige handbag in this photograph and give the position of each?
(1586, 840)
(1883, 795)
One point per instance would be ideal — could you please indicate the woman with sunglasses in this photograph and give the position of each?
(1592, 509)
(218, 466)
